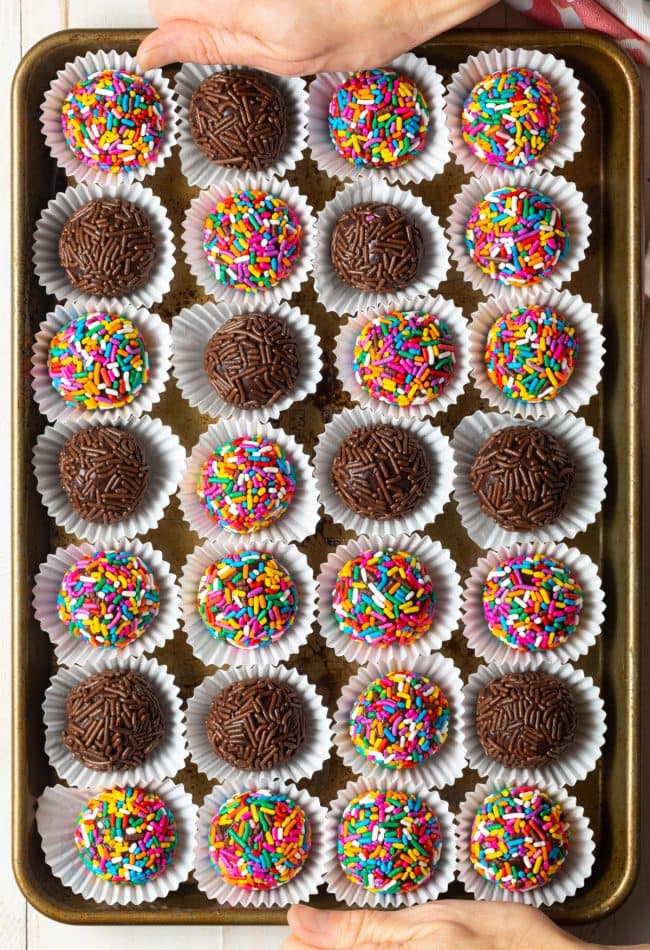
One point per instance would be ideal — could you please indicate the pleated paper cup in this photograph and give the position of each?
(446, 311)
(441, 569)
(164, 761)
(571, 876)
(342, 298)
(309, 758)
(566, 88)
(561, 192)
(352, 894)
(157, 342)
(299, 889)
(442, 768)
(192, 330)
(587, 494)
(493, 650)
(574, 764)
(214, 652)
(585, 379)
(57, 812)
(195, 164)
(71, 651)
(192, 240)
(422, 166)
(165, 457)
(438, 452)
(53, 219)
(66, 79)
(300, 518)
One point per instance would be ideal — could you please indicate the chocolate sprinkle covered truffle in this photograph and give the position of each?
(522, 477)
(252, 360)
(381, 471)
(107, 248)
(113, 720)
(104, 473)
(375, 247)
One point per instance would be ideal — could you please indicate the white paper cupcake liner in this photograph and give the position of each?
(163, 762)
(445, 580)
(164, 454)
(556, 71)
(448, 313)
(195, 164)
(587, 494)
(197, 261)
(299, 889)
(443, 767)
(56, 815)
(71, 651)
(47, 264)
(157, 341)
(424, 165)
(574, 764)
(585, 379)
(340, 297)
(493, 650)
(69, 76)
(352, 894)
(300, 518)
(191, 332)
(573, 873)
(561, 192)
(441, 465)
(308, 759)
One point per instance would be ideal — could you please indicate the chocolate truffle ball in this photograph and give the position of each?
(376, 247)
(104, 473)
(256, 724)
(252, 360)
(238, 118)
(524, 720)
(113, 720)
(107, 248)
(381, 471)
(522, 477)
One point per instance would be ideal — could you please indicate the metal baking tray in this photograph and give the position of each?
(608, 172)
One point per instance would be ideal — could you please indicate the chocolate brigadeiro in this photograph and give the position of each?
(375, 247)
(252, 360)
(239, 119)
(256, 724)
(381, 471)
(524, 720)
(113, 720)
(104, 473)
(107, 247)
(522, 477)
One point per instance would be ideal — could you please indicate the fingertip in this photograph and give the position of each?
(151, 53)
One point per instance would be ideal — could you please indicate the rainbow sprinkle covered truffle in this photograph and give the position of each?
(378, 118)
(516, 235)
(400, 720)
(388, 842)
(520, 839)
(246, 484)
(259, 840)
(530, 353)
(532, 602)
(113, 120)
(108, 599)
(252, 240)
(126, 836)
(383, 598)
(510, 117)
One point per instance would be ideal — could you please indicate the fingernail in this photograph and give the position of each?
(309, 918)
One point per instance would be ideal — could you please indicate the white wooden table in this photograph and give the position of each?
(22, 23)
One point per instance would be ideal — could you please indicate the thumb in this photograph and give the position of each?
(187, 41)
(346, 929)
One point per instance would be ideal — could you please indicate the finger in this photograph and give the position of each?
(341, 929)
(187, 41)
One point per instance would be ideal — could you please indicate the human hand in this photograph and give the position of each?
(296, 36)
